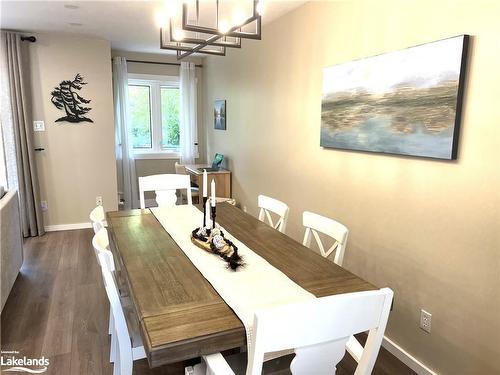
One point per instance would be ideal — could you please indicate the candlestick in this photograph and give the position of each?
(205, 183)
(207, 212)
(212, 187)
(213, 216)
(205, 199)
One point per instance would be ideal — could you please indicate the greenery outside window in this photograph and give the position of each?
(154, 103)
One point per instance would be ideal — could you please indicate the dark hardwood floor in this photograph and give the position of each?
(58, 309)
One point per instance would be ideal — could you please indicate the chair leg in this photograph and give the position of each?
(199, 369)
(116, 366)
(111, 322)
(122, 365)
(126, 364)
(112, 351)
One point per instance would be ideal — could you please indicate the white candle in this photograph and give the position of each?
(212, 188)
(205, 183)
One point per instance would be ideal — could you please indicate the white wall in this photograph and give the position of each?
(428, 229)
(78, 163)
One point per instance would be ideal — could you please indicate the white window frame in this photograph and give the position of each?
(155, 82)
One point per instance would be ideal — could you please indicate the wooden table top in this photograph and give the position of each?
(193, 168)
(181, 315)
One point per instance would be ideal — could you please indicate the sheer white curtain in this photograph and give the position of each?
(188, 113)
(127, 179)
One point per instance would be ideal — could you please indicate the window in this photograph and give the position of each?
(169, 117)
(140, 115)
(154, 116)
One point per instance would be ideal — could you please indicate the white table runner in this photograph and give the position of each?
(255, 286)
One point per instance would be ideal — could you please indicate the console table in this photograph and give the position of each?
(222, 179)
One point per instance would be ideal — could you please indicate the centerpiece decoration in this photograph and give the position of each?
(210, 237)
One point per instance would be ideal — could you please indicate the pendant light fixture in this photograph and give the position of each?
(191, 36)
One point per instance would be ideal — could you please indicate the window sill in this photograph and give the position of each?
(156, 155)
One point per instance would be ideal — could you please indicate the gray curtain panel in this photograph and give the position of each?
(14, 54)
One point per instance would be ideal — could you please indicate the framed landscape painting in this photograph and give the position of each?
(220, 114)
(405, 102)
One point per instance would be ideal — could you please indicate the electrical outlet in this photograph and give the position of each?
(425, 321)
(44, 205)
(98, 200)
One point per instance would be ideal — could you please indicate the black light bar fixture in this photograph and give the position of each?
(200, 38)
(196, 38)
(168, 43)
(217, 31)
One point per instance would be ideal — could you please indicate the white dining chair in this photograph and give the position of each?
(123, 352)
(269, 205)
(195, 191)
(165, 187)
(317, 330)
(100, 243)
(180, 168)
(97, 218)
(315, 223)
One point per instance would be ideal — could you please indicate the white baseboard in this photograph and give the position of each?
(406, 357)
(54, 228)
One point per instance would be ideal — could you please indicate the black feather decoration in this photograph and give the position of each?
(233, 259)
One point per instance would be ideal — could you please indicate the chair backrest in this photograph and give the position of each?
(180, 168)
(268, 205)
(100, 242)
(319, 329)
(165, 187)
(124, 353)
(97, 217)
(315, 223)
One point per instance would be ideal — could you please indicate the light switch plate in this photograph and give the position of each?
(38, 126)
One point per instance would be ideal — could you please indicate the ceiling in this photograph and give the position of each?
(129, 25)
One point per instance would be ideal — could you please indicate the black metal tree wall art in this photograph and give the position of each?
(64, 97)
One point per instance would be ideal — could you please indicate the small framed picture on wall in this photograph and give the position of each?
(220, 114)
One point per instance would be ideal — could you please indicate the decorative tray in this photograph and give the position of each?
(213, 241)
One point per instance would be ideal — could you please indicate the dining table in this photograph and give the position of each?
(180, 316)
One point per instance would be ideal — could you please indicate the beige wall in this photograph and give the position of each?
(148, 167)
(78, 163)
(428, 229)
